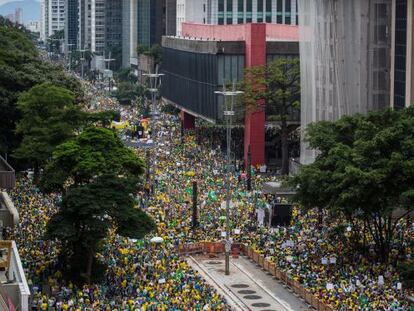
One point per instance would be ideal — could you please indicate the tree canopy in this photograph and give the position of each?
(49, 117)
(98, 176)
(93, 153)
(364, 171)
(275, 88)
(86, 214)
(21, 67)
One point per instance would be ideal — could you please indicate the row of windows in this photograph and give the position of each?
(263, 11)
(400, 52)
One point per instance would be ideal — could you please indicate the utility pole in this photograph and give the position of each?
(82, 59)
(249, 170)
(108, 64)
(195, 221)
(228, 115)
(154, 85)
(69, 50)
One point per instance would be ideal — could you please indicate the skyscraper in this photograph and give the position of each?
(52, 17)
(355, 58)
(113, 30)
(402, 52)
(129, 18)
(18, 16)
(150, 21)
(71, 25)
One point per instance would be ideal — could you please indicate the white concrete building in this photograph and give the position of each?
(33, 26)
(52, 17)
(353, 63)
(191, 11)
(18, 16)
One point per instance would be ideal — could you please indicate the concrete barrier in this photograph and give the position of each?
(255, 256)
(261, 260)
(266, 265)
(271, 267)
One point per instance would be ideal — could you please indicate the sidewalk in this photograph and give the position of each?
(247, 287)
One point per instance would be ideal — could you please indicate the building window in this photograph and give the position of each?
(229, 13)
(249, 11)
(220, 14)
(268, 11)
(297, 15)
(260, 11)
(240, 11)
(288, 9)
(400, 53)
(279, 12)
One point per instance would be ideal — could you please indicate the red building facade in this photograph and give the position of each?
(254, 40)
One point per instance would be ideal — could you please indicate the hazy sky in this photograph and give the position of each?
(5, 1)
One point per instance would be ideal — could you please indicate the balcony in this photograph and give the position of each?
(14, 291)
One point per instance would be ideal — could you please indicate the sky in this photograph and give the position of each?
(5, 1)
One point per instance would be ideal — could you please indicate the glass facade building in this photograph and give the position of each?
(71, 25)
(195, 69)
(345, 60)
(226, 12)
(150, 21)
(113, 31)
(400, 60)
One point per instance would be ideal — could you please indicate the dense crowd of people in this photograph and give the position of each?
(146, 276)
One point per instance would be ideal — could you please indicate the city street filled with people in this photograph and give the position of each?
(143, 275)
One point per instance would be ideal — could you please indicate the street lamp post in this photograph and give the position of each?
(108, 61)
(228, 114)
(69, 53)
(82, 59)
(155, 82)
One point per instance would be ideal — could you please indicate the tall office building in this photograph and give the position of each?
(92, 25)
(18, 16)
(170, 17)
(225, 12)
(84, 24)
(113, 31)
(52, 17)
(71, 25)
(43, 20)
(97, 19)
(150, 21)
(129, 31)
(345, 60)
(402, 51)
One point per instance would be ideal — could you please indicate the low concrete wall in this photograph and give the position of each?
(11, 210)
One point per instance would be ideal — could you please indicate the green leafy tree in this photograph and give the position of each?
(97, 174)
(93, 153)
(86, 214)
(128, 92)
(49, 117)
(54, 42)
(20, 69)
(125, 75)
(364, 171)
(276, 88)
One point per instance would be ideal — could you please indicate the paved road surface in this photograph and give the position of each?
(247, 287)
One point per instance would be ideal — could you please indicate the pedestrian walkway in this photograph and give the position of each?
(247, 287)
